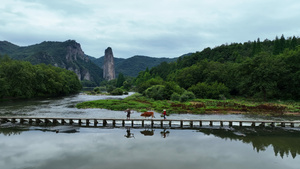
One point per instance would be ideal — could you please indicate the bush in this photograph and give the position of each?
(117, 91)
(147, 84)
(175, 97)
(155, 92)
(97, 90)
(170, 89)
(110, 88)
(187, 95)
(102, 88)
(213, 91)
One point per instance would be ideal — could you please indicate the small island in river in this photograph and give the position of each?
(140, 103)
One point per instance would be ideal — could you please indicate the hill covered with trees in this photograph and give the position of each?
(21, 79)
(70, 56)
(268, 69)
(67, 55)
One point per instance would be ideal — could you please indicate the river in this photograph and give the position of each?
(34, 147)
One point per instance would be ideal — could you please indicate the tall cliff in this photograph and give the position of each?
(67, 55)
(109, 65)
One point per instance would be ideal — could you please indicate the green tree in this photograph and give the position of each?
(117, 91)
(260, 76)
(155, 92)
(24, 80)
(282, 43)
(277, 47)
(151, 82)
(207, 91)
(120, 80)
(293, 43)
(186, 96)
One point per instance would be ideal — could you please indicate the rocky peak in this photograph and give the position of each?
(74, 51)
(109, 65)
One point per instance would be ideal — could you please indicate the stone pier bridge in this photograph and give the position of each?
(153, 123)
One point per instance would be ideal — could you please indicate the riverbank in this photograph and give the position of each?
(198, 106)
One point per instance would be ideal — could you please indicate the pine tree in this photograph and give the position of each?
(258, 46)
(254, 46)
(282, 43)
(276, 49)
(293, 43)
(120, 80)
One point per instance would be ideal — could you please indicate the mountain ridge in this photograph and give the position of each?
(67, 55)
(133, 65)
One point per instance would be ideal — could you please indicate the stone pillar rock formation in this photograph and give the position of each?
(109, 65)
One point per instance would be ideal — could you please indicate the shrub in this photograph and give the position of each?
(187, 95)
(213, 91)
(155, 92)
(175, 97)
(117, 91)
(102, 88)
(170, 88)
(110, 88)
(149, 83)
(97, 90)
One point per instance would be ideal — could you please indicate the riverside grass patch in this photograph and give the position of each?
(139, 103)
(118, 105)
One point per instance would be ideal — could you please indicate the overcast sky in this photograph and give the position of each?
(156, 28)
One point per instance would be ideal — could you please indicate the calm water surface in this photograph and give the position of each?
(31, 147)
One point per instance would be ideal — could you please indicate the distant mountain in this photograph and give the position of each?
(133, 65)
(68, 55)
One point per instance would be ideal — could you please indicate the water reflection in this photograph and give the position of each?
(283, 141)
(9, 132)
(148, 132)
(94, 147)
(164, 133)
(128, 133)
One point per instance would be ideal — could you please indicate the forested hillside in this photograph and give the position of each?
(67, 55)
(21, 79)
(268, 70)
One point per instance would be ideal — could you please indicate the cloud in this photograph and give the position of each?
(166, 28)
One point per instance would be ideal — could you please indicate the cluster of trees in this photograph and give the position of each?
(118, 86)
(21, 79)
(266, 70)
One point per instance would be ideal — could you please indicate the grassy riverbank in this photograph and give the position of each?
(140, 103)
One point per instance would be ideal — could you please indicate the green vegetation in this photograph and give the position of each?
(141, 103)
(253, 72)
(66, 55)
(267, 70)
(119, 86)
(20, 79)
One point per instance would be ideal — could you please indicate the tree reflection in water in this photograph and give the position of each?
(8, 129)
(284, 141)
(9, 132)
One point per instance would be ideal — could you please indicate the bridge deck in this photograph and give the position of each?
(156, 123)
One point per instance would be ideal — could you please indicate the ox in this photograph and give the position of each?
(147, 132)
(147, 114)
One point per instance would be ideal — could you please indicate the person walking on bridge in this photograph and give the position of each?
(128, 113)
(164, 113)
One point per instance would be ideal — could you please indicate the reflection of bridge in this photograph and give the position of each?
(154, 123)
